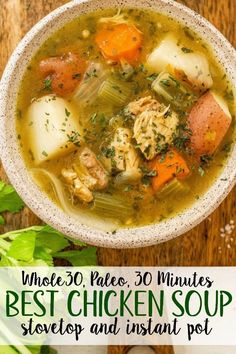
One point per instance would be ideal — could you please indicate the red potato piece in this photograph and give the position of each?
(209, 121)
(65, 71)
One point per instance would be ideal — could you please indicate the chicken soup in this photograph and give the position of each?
(125, 115)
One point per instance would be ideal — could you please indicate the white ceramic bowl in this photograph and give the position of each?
(14, 164)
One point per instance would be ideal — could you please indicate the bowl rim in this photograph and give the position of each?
(126, 237)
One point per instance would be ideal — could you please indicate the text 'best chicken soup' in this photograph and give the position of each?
(126, 116)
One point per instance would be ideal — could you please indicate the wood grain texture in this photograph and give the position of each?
(199, 247)
(125, 349)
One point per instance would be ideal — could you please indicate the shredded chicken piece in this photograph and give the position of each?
(77, 187)
(116, 19)
(154, 125)
(81, 191)
(96, 170)
(84, 176)
(126, 156)
(69, 175)
(143, 104)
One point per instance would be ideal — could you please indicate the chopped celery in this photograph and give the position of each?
(174, 187)
(88, 89)
(130, 176)
(111, 206)
(173, 91)
(114, 92)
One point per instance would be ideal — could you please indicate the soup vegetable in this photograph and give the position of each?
(126, 116)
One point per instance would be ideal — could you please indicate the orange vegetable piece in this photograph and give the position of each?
(121, 41)
(208, 123)
(65, 72)
(173, 165)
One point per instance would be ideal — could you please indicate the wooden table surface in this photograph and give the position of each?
(202, 246)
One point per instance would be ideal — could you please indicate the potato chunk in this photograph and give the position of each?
(192, 67)
(54, 128)
(209, 121)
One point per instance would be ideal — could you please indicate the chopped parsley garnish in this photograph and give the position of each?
(177, 83)
(229, 95)
(128, 188)
(165, 82)
(152, 28)
(117, 88)
(151, 77)
(19, 114)
(142, 68)
(74, 138)
(205, 159)
(181, 137)
(93, 118)
(146, 181)
(147, 173)
(227, 147)
(44, 153)
(100, 120)
(188, 33)
(48, 84)
(201, 171)
(67, 112)
(151, 173)
(147, 150)
(31, 155)
(108, 152)
(76, 76)
(186, 50)
(92, 73)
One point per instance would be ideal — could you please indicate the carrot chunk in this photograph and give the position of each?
(65, 72)
(121, 41)
(171, 166)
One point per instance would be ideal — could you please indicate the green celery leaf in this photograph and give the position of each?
(8, 262)
(78, 242)
(41, 253)
(22, 248)
(2, 221)
(7, 349)
(84, 257)
(36, 349)
(12, 262)
(51, 239)
(9, 199)
(45, 349)
(33, 263)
